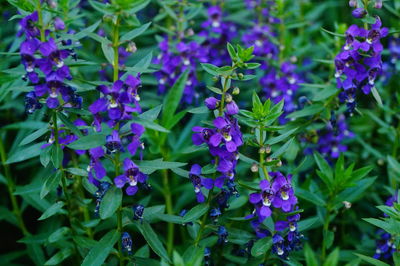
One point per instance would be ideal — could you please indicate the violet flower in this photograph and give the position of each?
(131, 176)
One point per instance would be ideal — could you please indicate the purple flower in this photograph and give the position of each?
(359, 63)
(222, 235)
(199, 182)
(113, 142)
(359, 12)
(260, 38)
(263, 200)
(138, 211)
(28, 25)
(96, 169)
(59, 24)
(131, 176)
(212, 103)
(126, 241)
(31, 103)
(137, 131)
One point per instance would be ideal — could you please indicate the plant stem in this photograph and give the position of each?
(262, 155)
(168, 203)
(40, 18)
(11, 188)
(115, 36)
(64, 183)
(220, 112)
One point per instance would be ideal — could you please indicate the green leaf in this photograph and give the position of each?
(134, 33)
(59, 234)
(77, 171)
(60, 256)
(152, 239)
(88, 142)
(25, 153)
(393, 164)
(51, 183)
(99, 253)
(231, 51)
(149, 167)
(282, 149)
(210, 68)
(309, 196)
(282, 137)
(309, 254)
(108, 51)
(56, 208)
(308, 223)
(151, 114)
(323, 166)
(173, 98)
(376, 95)
(69, 124)
(34, 136)
(45, 156)
(195, 213)
(83, 33)
(307, 111)
(371, 260)
(215, 90)
(333, 258)
(261, 246)
(110, 203)
(56, 155)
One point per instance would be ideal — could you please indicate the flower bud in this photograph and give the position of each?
(228, 98)
(190, 32)
(254, 168)
(261, 150)
(236, 91)
(212, 103)
(353, 3)
(269, 159)
(359, 12)
(215, 78)
(279, 163)
(268, 149)
(347, 204)
(378, 4)
(131, 47)
(59, 24)
(240, 76)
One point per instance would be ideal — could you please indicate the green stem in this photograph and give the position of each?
(262, 155)
(115, 36)
(220, 112)
(168, 203)
(41, 24)
(11, 188)
(64, 184)
(115, 48)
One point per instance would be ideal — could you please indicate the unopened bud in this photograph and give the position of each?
(261, 150)
(268, 149)
(254, 168)
(236, 91)
(228, 98)
(353, 3)
(378, 4)
(347, 204)
(381, 162)
(131, 47)
(215, 78)
(240, 75)
(293, 59)
(269, 159)
(279, 163)
(190, 32)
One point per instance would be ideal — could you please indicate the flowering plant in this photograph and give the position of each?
(176, 132)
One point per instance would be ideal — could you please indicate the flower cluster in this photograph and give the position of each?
(260, 36)
(359, 63)
(223, 142)
(385, 246)
(119, 101)
(217, 33)
(49, 59)
(174, 60)
(282, 86)
(277, 194)
(330, 141)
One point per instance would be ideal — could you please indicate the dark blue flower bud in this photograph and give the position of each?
(138, 212)
(126, 243)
